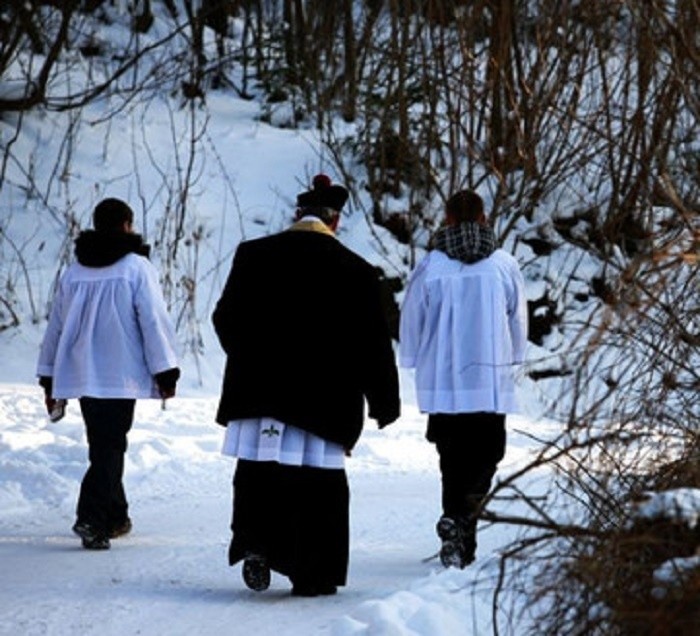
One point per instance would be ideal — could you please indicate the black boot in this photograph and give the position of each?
(458, 545)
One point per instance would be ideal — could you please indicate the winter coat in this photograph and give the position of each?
(301, 322)
(109, 332)
(463, 328)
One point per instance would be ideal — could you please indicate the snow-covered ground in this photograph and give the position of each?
(170, 576)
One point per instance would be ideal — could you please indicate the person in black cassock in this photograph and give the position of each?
(301, 322)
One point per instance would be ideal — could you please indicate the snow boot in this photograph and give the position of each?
(453, 552)
(92, 538)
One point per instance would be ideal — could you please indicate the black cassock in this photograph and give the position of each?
(297, 516)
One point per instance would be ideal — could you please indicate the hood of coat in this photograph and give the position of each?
(100, 249)
(466, 242)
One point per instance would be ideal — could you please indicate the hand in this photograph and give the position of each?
(56, 408)
(166, 381)
(166, 393)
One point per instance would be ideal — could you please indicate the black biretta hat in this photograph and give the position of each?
(323, 195)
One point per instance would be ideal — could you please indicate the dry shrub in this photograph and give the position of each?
(621, 573)
(635, 577)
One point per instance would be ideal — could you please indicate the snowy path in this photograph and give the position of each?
(175, 577)
(170, 575)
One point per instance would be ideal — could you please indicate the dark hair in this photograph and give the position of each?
(465, 206)
(111, 214)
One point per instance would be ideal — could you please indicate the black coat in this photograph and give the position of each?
(301, 322)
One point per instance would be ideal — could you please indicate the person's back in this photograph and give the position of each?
(315, 324)
(109, 333)
(111, 337)
(467, 333)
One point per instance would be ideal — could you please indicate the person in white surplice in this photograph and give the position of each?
(463, 328)
(109, 341)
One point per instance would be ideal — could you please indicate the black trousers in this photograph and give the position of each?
(469, 446)
(295, 516)
(102, 500)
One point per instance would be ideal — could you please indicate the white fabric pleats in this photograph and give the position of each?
(109, 332)
(464, 330)
(266, 439)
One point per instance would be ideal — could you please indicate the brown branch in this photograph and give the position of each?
(37, 89)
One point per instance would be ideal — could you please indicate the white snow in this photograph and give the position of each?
(680, 504)
(170, 576)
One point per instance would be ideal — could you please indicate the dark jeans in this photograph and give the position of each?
(469, 445)
(102, 501)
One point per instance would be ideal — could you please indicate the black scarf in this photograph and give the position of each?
(100, 249)
(466, 242)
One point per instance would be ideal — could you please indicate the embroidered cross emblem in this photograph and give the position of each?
(270, 432)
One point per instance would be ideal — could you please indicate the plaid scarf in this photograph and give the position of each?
(466, 242)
